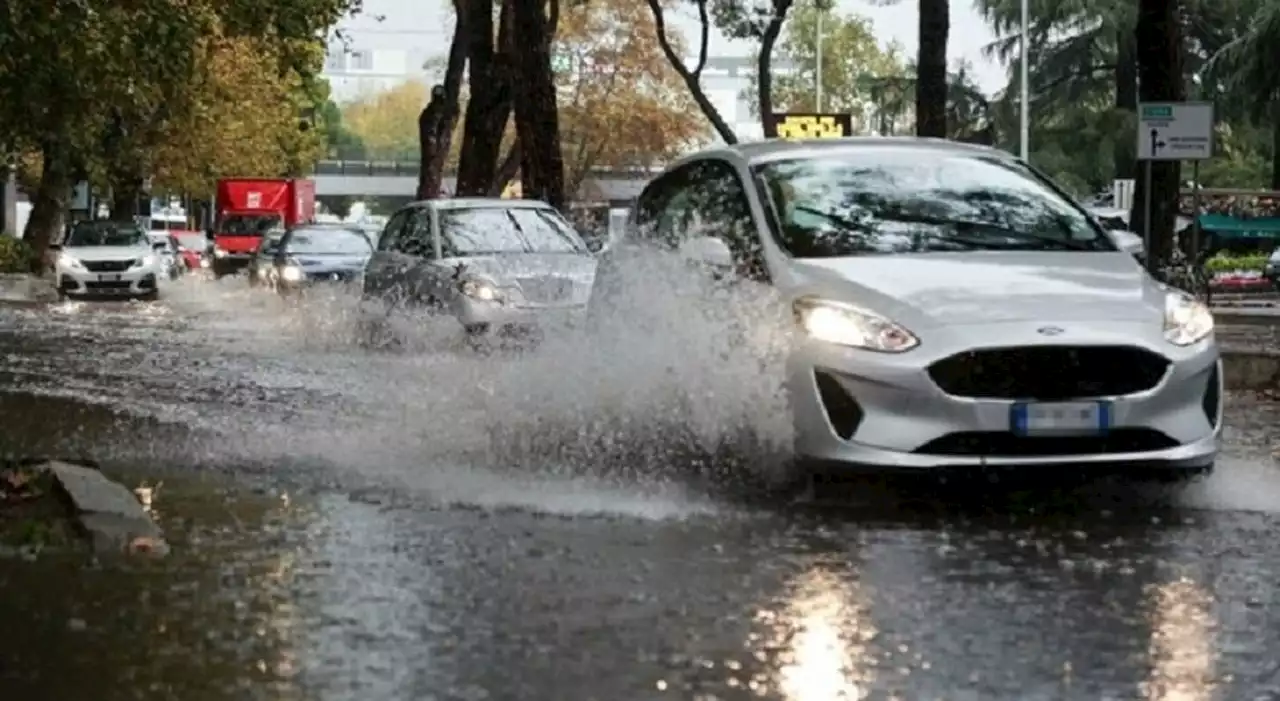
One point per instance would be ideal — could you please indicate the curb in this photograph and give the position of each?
(1245, 369)
(108, 512)
(1257, 316)
(23, 287)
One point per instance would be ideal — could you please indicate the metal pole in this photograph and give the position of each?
(818, 68)
(1024, 81)
(1146, 220)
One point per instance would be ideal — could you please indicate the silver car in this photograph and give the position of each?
(951, 306)
(494, 264)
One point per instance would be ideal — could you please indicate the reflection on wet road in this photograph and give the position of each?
(383, 558)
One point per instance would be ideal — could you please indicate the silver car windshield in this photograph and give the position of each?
(483, 230)
(105, 234)
(895, 200)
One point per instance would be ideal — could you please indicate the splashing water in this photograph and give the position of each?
(672, 374)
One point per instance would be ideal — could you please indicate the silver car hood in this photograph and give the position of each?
(942, 289)
(96, 253)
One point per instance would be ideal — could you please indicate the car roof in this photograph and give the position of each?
(768, 150)
(480, 203)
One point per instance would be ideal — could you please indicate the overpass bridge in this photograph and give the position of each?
(400, 179)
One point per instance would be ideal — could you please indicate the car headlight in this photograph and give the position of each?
(69, 261)
(847, 325)
(219, 253)
(478, 289)
(1186, 319)
(291, 273)
(146, 261)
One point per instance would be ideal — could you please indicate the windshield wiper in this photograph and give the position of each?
(965, 226)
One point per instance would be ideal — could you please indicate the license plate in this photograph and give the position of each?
(109, 278)
(1061, 418)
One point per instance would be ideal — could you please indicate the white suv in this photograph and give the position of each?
(109, 259)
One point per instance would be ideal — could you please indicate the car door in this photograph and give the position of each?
(380, 272)
(424, 282)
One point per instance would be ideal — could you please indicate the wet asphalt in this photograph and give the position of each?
(343, 530)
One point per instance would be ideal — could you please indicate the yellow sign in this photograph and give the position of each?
(812, 126)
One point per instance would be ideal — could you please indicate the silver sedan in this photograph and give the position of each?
(494, 264)
(951, 307)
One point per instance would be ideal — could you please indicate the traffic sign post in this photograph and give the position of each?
(1174, 131)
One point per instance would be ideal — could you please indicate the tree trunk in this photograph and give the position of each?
(764, 67)
(537, 121)
(1275, 144)
(931, 69)
(489, 102)
(1158, 39)
(1124, 155)
(440, 116)
(507, 171)
(125, 193)
(49, 205)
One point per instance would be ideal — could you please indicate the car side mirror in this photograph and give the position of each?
(1129, 242)
(708, 250)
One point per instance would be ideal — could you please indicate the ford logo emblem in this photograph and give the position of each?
(1050, 330)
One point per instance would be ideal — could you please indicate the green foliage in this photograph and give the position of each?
(852, 62)
(1223, 263)
(1079, 132)
(15, 255)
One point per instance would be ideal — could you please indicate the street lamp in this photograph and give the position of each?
(818, 69)
(1025, 116)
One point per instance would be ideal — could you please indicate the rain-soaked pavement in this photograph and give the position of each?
(343, 530)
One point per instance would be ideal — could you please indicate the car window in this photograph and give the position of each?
(415, 236)
(703, 198)
(881, 200)
(391, 232)
(328, 242)
(719, 207)
(106, 234)
(483, 230)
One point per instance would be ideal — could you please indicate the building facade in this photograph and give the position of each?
(354, 72)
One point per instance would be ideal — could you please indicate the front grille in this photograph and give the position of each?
(1008, 445)
(108, 266)
(340, 276)
(114, 285)
(545, 289)
(843, 410)
(1049, 373)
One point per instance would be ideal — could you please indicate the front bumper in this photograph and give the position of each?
(230, 263)
(895, 416)
(482, 316)
(135, 282)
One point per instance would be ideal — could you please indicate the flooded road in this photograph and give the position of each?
(342, 530)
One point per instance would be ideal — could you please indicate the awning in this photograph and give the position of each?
(1227, 226)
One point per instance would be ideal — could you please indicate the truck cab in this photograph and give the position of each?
(249, 210)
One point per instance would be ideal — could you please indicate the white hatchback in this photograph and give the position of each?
(108, 259)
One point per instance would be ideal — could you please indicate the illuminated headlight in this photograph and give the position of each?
(219, 253)
(1186, 319)
(478, 289)
(146, 261)
(204, 262)
(67, 260)
(847, 325)
(291, 273)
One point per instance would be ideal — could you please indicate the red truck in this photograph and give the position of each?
(247, 209)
